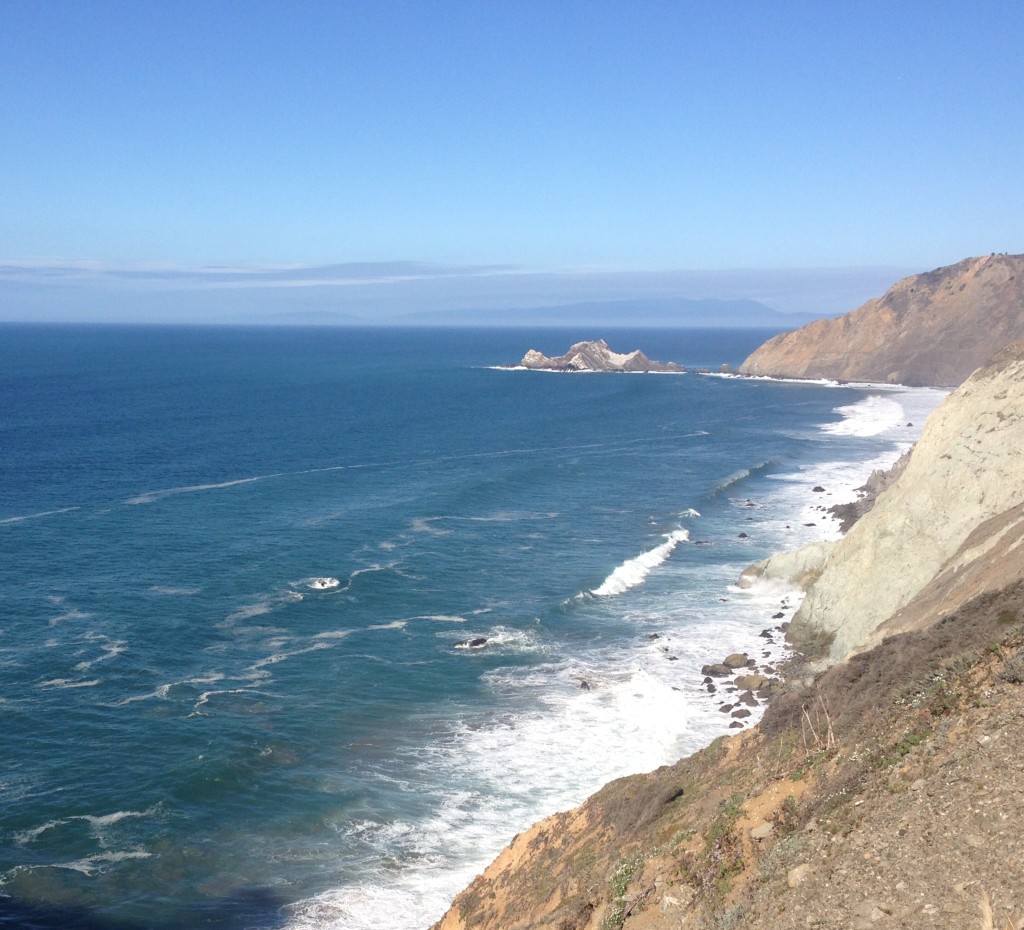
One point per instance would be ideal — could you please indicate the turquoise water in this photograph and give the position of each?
(239, 570)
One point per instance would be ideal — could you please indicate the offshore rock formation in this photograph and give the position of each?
(948, 528)
(929, 329)
(596, 356)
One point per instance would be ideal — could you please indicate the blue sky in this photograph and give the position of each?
(601, 141)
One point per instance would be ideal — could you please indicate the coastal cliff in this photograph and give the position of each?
(949, 528)
(928, 329)
(881, 788)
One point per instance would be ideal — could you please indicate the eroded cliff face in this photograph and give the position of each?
(929, 329)
(949, 528)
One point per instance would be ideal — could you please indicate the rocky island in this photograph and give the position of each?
(882, 788)
(596, 356)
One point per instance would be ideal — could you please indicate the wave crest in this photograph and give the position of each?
(632, 572)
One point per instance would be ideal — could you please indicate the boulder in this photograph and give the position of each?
(718, 670)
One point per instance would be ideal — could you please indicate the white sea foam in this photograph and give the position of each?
(631, 573)
(70, 683)
(110, 650)
(868, 417)
(66, 615)
(174, 590)
(96, 822)
(322, 583)
(36, 516)
(163, 692)
(262, 605)
(149, 497)
(426, 525)
(90, 865)
(501, 638)
(206, 695)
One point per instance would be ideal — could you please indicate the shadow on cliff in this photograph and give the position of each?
(252, 909)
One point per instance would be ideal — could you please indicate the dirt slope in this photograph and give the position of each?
(929, 329)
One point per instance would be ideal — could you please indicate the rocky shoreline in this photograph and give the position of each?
(881, 787)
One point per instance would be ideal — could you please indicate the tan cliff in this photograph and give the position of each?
(948, 528)
(928, 329)
(881, 792)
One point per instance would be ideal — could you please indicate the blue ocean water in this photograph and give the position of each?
(240, 570)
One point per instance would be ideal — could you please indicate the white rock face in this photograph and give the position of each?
(596, 356)
(801, 567)
(966, 469)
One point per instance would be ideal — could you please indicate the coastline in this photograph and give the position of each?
(767, 653)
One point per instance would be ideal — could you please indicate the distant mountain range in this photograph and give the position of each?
(666, 312)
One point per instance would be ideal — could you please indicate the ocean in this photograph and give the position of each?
(298, 626)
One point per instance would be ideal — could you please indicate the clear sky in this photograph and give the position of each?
(548, 138)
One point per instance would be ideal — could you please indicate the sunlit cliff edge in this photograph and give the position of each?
(928, 329)
(885, 786)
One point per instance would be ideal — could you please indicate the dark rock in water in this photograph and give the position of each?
(736, 725)
(736, 660)
(708, 680)
(719, 670)
(725, 708)
(778, 616)
(748, 698)
(750, 682)
(744, 536)
(584, 685)
(742, 713)
(766, 634)
(711, 689)
(658, 635)
(810, 524)
(817, 489)
(472, 643)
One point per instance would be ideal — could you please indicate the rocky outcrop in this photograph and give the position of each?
(849, 513)
(596, 356)
(929, 329)
(950, 523)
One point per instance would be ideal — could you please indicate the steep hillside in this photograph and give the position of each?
(884, 791)
(929, 329)
(949, 527)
